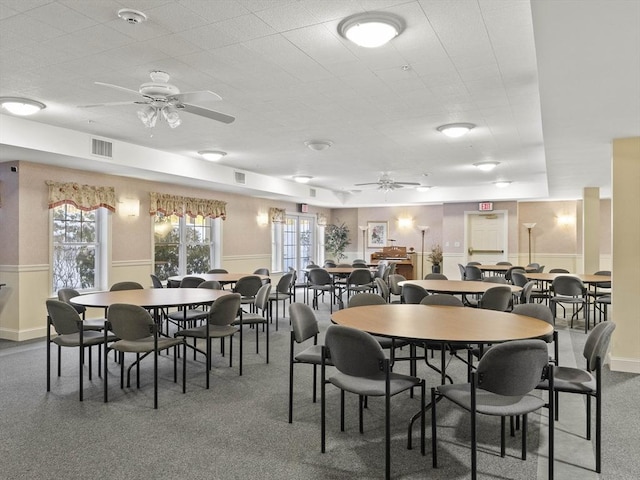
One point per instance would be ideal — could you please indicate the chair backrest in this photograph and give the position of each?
(313, 265)
(248, 286)
(442, 299)
(471, 272)
(518, 278)
(343, 265)
(155, 281)
(495, 279)
(540, 269)
(63, 316)
(559, 270)
(597, 343)
(536, 310)
(504, 263)
(516, 268)
(463, 271)
(382, 288)
(413, 293)
(303, 322)
(66, 294)
(329, 264)
(393, 283)
(125, 286)
(474, 263)
(568, 286)
(261, 271)
(191, 282)
(224, 310)
(496, 298)
(435, 276)
(319, 276)
(284, 284)
(513, 368)
(381, 270)
(359, 264)
(262, 297)
(525, 293)
(532, 266)
(355, 352)
(606, 273)
(360, 276)
(218, 270)
(365, 298)
(211, 284)
(130, 322)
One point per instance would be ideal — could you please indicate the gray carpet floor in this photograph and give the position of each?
(239, 430)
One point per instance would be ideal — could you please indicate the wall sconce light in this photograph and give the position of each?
(129, 207)
(565, 220)
(405, 222)
(262, 219)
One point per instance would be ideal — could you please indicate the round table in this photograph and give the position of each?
(442, 324)
(458, 287)
(586, 278)
(218, 277)
(150, 297)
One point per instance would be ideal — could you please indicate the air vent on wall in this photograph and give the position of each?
(312, 192)
(240, 177)
(101, 148)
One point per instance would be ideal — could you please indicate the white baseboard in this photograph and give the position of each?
(629, 365)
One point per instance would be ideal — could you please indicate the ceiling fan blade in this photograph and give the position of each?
(370, 183)
(111, 104)
(407, 183)
(195, 97)
(118, 87)
(205, 112)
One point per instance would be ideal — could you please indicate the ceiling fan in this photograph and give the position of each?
(162, 98)
(387, 184)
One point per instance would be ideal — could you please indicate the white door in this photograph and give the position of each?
(486, 238)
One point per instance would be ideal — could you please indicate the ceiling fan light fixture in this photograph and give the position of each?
(486, 166)
(424, 188)
(302, 178)
(212, 155)
(21, 106)
(171, 116)
(455, 130)
(372, 29)
(502, 183)
(148, 116)
(318, 145)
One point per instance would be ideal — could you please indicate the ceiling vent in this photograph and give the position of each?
(240, 178)
(101, 148)
(312, 192)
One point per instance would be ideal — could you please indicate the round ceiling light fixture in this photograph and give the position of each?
(212, 155)
(455, 130)
(502, 183)
(486, 166)
(302, 178)
(318, 145)
(132, 16)
(21, 106)
(423, 188)
(371, 30)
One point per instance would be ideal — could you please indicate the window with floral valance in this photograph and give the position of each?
(83, 197)
(277, 215)
(178, 205)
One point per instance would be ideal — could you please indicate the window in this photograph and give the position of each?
(78, 253)
(185, 245)
(292, 243)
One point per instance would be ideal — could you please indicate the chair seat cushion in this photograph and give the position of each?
(250, 319)
(89, 337)
(215, 331)
(312, 354)
(489, 403)
(188, 315)
(145, 345)
(373, 387)
(574, 380)
(93, 324)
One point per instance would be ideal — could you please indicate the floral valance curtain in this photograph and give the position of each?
(179, 205)
(277, 214)
(83, 197)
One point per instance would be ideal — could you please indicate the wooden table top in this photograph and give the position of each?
(218, 277)
(457, 287)
(586, 278)
(440, 323)
(493, 268)
(151, 297)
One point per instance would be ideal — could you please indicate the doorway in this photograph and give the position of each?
(486, 237)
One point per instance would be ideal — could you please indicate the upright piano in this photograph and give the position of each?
(397, 255)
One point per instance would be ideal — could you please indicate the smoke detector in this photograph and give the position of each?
(132, 16)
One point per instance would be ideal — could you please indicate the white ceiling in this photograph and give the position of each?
(549, 84)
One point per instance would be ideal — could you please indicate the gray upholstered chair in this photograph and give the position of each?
(65, 295)
(363, 368)
(394, 288)
(504, 263)
(248, 287)
(155, 281)
(259, 315)
(503, 385)
(444, 299)
(261, 271)
(319, 283)
(70, 332)
(541, 312)
(412, 293)
(567, 289)
(463, 271)
(472, 272)
(559, 270)
(587, 381)
(282, 293)
(219, 322)
(191, 282)
(515, 268)
(125, 286)
(382, 288)
(359, 281)
(304, 327)
(435, 276)
(138, 333)
(189, 316)
(496, 298)
(218, 270)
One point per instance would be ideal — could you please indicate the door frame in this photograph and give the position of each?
(467, 230)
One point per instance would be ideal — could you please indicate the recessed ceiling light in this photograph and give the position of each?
(318, 145)
(502, 183)
(21, 106)
(371, 30)
(302, 178)
(212, 155)
(455, 130)
(423, 188)
(486, 166)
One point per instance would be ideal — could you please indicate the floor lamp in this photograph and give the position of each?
(364, 240)
(423, 229)
(529, 227)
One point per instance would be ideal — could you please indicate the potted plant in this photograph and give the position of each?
(336, 240)
(435, 257)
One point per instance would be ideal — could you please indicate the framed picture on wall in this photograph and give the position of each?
(377, 233)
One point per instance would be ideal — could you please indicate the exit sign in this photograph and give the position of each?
(485, 206)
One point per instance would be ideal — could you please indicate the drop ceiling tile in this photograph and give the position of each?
(62, 17)
(215, 11)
